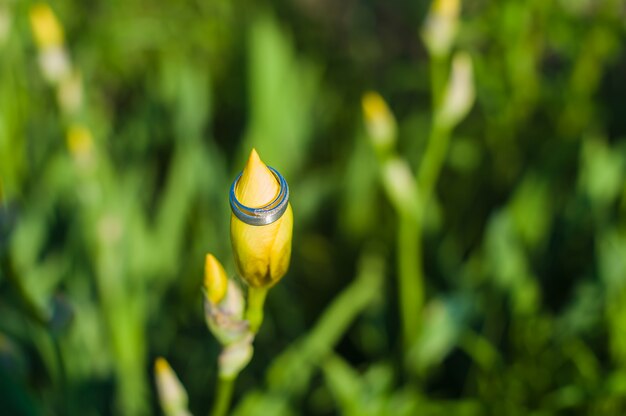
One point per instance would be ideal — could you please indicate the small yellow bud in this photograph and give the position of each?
(45, 26)
(449, 8)
(441, 26)
(172, 394)
(262, 253)
(459, 95)
(80, 143)
(161, 366)
(379, 121)
(215, 280)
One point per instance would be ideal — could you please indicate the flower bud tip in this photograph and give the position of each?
(257, 185)
(215, 280)
(45, 26)
(379, 121)
(161, 366)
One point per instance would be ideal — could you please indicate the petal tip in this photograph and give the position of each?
(257, 185)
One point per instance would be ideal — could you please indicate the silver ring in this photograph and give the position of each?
(266, 214)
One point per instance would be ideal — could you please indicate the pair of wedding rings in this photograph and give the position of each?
(266, 214)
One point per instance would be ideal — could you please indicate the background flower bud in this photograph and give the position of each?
(215, 280)
(379, 121)
(441, 26)
(225, 319)
(45, 26)
(262, 253)
(172, 394)
(235, 357)
(459, 95)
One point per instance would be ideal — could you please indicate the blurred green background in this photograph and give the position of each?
(470, 261)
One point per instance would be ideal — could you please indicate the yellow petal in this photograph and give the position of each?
(446, 7)
(281, 249)
(161, 366)
(80, 144)
(45, 26)
(215, 280)
(257, 185)
(374, 107)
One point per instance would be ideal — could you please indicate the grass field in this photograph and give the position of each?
(456, 172)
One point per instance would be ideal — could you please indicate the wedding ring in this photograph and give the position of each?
(266, 214)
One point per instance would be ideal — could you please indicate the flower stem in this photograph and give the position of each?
(410, 278)
(434, 158)
(223, 396)
(438, 74)
(254, 313)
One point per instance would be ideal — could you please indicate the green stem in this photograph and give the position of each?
(432, 163)
(439, 139)
(411, 279)
(254, 313)
(438, 74)
(223, 396)
(345, 308)
(409, 236)
(30, 306)
(64, 394)
(290, 373)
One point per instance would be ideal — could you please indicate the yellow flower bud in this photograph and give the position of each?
(262, 253)
(215, 280)
(45, 26)
(80, 144)
(441, 26)
(172, 394)
(446, 7)
(379, 121)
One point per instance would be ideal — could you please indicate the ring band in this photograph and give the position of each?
(266, 214)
